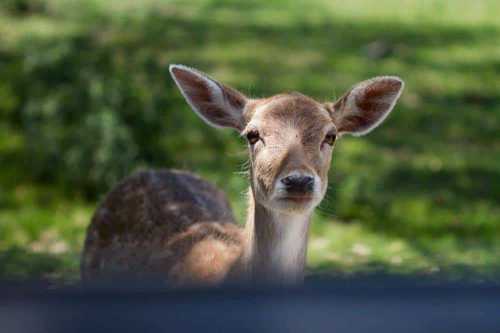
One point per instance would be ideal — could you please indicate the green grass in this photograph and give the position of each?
(420, 195)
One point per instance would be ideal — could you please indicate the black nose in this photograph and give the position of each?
(298, 183)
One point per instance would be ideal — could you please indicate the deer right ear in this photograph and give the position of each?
(366, 105)
(215, 103)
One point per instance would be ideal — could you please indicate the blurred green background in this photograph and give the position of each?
(85, 99)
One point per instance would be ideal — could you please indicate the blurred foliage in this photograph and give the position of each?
(23, 7)
(85, 109)
(85, 99)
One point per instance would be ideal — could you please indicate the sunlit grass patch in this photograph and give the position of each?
(342, 249)
(352, 248)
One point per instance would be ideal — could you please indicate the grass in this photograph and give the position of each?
(418, 196)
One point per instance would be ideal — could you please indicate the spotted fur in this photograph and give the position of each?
(152, 223)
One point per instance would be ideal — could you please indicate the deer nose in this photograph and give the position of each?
(298, 183)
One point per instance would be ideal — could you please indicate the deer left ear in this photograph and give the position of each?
(366, 105)
(216, 103)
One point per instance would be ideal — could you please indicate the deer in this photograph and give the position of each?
(181, 227)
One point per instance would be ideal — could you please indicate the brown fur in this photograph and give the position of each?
(152, 224)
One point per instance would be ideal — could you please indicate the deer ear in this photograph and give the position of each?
(366, 105)
(217, 104)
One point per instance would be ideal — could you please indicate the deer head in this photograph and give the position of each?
(290, 136)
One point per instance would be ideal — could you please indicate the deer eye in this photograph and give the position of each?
(253, 137)
(330, 138)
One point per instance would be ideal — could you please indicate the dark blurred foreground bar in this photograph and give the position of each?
(369, 305)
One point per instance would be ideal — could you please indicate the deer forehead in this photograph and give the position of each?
(288, 115)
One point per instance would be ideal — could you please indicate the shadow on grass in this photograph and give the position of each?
(19, 264)
(456, 272)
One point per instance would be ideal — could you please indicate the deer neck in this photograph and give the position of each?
(276, 244)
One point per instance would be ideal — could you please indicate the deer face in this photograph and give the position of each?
(290, 136)
(290, 140)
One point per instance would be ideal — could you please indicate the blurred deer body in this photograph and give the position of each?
(162, 223)
(290, 142)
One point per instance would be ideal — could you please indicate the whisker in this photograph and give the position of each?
(325, 206)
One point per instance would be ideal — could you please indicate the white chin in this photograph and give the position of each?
(295, 206)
